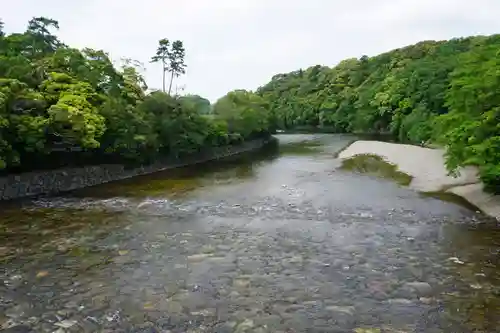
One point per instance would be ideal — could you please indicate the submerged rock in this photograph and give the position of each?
(421, 288)
(244, 326)
(66, 323)
(199, 257)
(341, 309)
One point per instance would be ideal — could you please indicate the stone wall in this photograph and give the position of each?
(61, 180)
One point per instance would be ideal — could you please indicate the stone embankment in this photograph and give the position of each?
(67, 179)
(427, 167)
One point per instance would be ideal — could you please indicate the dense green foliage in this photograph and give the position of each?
(446, 92)
(58, 103)
(200, 104)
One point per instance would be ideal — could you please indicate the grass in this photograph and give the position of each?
(376, 165)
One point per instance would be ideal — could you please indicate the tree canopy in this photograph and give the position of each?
(172, 58)
(57, 101)
(446, 92)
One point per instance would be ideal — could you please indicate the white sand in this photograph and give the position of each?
(427, 167)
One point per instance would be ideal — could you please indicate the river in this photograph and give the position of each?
(279, 241)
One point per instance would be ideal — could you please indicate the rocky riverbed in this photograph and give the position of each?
(283, 242)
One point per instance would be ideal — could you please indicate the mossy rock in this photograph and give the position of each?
(376, 165)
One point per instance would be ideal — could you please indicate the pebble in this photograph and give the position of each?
(341, 309)
(426, 300)
(66, 323)
(198, 257)
(269, 265)
(456, 260)
(18, 329)
(422, 288)
(241, 283)
(367, 330)
(400, 301)
(205, 312)
(42, 274)
(244, 326)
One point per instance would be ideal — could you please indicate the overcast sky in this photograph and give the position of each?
(241, 44)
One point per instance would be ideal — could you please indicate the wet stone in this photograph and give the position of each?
(241, 283)
(205, 312)
(199, 257)
(66, 323)
(174, 307)
(426, 300)
(327, 252)
(227, 327)
(294, 307)
(421, 288)
(18, 329)
(271, 321)
(89, 325)
(224, 248)
(367, 330)
(245, 326)
(349, 310)
(400, 301)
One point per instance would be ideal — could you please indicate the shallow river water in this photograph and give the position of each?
(279, 241)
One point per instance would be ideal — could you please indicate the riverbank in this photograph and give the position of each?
(427, 168)
(68, 179)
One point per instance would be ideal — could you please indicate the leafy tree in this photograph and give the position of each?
(198, 103)
(60, 105)
(42, 40)
(176, 61)
(162, 55)
(244, 112)
(443, 91)
(172, 59)
(471, 129)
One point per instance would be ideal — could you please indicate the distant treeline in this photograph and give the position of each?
(444, 92)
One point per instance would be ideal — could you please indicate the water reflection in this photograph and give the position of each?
(278, 241)
(181, 181)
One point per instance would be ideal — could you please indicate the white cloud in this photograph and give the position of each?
(242, 43)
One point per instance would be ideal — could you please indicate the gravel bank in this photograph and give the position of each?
(427, 167)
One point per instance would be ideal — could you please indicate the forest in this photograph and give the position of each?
(60, 105)
(63, 106)
(445, 93)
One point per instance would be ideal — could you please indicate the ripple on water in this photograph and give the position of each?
(297, 247)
